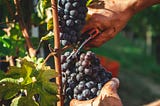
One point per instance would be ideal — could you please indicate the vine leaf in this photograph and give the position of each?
(89, 2)
(6, 92)
(50, 24)
(15, 101)
(22, 83)
(42, 5)
(47, 36)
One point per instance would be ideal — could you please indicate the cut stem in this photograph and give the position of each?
(57, 49)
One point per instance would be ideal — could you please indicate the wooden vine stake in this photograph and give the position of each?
(57, 49)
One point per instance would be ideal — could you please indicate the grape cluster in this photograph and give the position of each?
(83, 77)
(72, 15)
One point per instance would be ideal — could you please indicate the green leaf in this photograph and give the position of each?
(47, 37)
(11, 80)
(50, 24)
(88, 2)
(9, 90)
(16, 72)
(46, 99)
(15, 101)
(48, 74)
(2, 74)
(27, 101)
(6, 41)
(50, 87)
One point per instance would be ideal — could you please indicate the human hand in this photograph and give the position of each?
(107, 16)
(107, 97)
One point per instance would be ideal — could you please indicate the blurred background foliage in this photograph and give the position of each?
(136, 48)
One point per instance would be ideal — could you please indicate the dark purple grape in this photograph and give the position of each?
(70, 1)
(82, 56)
(81, 87)
(64, 42)
(72, 84)
(60, 12)
(85, 63)
(88, 71)
(75, 4)
(79, 76)
(77, 21)
(66, 12)
(89, 84)
(66, 54)
(68, 72)
(79, 97)
(76, 90)
(94, 91)
(73, 13)
(80, 68)
(82, 82)
(81, 16)
(73, 33)
(69, 22)
(74, 39)
(65, 17)
(86, 93)
(99, 86)
(68, 6)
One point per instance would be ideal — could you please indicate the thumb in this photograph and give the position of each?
(108, 95)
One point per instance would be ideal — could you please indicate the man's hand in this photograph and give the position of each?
(107, 97)
(111, 16)
(107, 16)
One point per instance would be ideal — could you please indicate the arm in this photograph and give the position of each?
(111, 16)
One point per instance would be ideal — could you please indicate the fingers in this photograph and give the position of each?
(101, 38)
(108, 95)
(110, 87)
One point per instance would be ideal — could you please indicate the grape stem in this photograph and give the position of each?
(57, 49)
(92, 34)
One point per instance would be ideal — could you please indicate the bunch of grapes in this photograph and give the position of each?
(72, 15)
(83, 76)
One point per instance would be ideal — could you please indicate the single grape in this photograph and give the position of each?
(85, 63)
(68, 6)
(89, 84)
(99, 86)
(76, 90)
(88, 71)
(77, 21)
(75, 4)
(79, 97)
(94, 91)
(80, 68)
(73, 13)
(79, 76)
(86, 93)
(65, 17)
